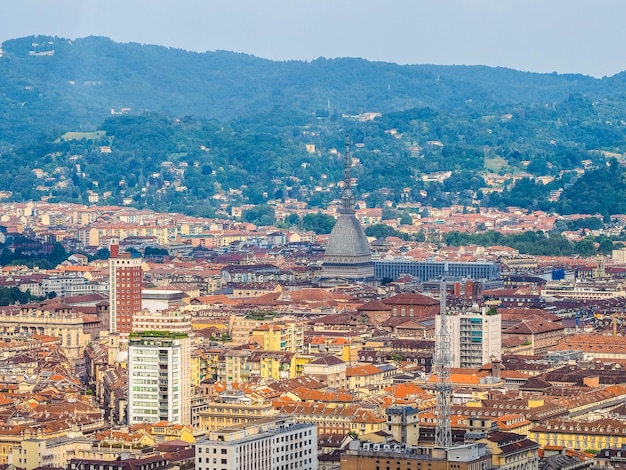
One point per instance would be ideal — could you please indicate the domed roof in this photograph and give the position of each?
(347, 239)
(121, 358)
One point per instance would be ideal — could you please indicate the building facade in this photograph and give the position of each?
(427, 270)
(475, 336)
(125, 276)
(377, 456)
(51, 319)
(159, 386)
(273, 444)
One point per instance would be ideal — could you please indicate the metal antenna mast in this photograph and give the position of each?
(443, 359)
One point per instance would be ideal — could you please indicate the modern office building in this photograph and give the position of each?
(475, 336)
(268, 444)
(125, 276)
(159, 385)
(427, 270)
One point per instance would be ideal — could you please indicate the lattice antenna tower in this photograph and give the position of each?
(443, 360)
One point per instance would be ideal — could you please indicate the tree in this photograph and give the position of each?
(292, 219)
(390, 213)
(406, 219)
(605, 245)
(585, 247)
(260, 215)
(318, 223)
(380, 231)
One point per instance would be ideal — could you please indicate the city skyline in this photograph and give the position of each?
(574, 37)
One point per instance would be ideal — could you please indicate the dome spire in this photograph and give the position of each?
(347, 199)
(348, 257)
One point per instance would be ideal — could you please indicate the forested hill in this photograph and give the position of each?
(90, 120)
(54, 83)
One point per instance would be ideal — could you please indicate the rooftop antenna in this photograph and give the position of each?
(443, 359)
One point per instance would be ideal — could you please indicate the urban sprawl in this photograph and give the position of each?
(168, 341)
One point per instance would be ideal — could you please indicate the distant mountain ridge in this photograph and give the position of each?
(53, 82)
(201, 132)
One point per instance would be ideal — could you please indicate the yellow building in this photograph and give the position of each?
(204, 364)
(343, 348)
(164, 431)
(300, 361)
(11, 436)
(273, 365)
(56, 319)
(234, 366)
(37, 452)
(332, 418)
(366, 376)
(279, 336)
(233, 407)
(510, 451)
(594, 435)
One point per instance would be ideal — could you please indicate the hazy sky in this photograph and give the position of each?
(566, 36)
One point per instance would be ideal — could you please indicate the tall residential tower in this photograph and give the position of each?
(475, 336)
(125, 276)
(159, 381)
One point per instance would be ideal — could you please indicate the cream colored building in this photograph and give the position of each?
(233, 407)
(475, 336)
(53, 320)
(35, 452)
(329, 370)
(584, 290)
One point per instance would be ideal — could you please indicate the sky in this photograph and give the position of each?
(563, 36)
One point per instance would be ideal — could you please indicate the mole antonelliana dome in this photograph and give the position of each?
(348, 255)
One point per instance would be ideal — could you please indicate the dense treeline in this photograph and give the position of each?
(204, 128)
(11, 295)
(533, 243)
(20, 250)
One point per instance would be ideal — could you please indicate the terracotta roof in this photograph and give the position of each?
(410, 299)
(374, 306)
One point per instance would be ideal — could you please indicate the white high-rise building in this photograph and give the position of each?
(159, 382)
(268, 444)
(475, 336)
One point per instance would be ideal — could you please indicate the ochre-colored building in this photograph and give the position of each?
(594, 435)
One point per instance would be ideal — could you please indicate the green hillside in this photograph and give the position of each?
(178, 130)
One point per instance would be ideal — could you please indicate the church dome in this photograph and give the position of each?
(347, 239)
(348, 255)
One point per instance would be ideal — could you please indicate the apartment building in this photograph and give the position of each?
(475, 336)
(159, 387)
(270, 444)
